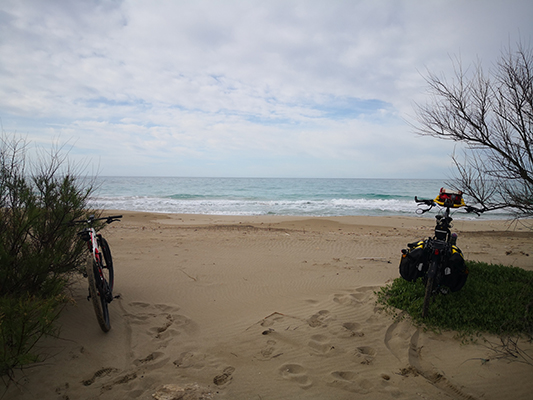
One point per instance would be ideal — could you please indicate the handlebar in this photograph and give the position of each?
(426, 202)
(431, 204)
(91, 219)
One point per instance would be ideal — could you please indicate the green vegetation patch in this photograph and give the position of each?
(24, 320)
(495, 299)
(40, 250)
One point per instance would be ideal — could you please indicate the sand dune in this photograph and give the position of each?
(270, 308)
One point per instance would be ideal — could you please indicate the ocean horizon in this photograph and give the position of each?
(269, 196)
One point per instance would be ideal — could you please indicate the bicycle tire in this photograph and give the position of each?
(427, 297)
(99, 301)
(108, 264)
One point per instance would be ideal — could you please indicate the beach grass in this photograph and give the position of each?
(496, 299)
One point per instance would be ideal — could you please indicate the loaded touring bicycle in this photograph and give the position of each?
(437, 260)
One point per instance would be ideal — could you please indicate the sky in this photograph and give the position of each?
(269, 88)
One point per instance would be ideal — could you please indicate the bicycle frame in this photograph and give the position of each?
(440, 248)
(93, 244)
(440, 252)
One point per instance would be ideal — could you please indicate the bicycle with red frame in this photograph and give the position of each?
(99, 269)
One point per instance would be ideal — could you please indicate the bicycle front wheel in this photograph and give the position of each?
(427, 297)
(107, 265)
(97, 292)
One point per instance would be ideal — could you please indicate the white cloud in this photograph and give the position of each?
(289, 88)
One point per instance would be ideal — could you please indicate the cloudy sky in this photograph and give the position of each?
(309, 88)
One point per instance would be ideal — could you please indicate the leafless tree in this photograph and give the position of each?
(491, 114)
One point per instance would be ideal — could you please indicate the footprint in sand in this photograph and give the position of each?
(172, 391)
(99, 374)
(321, 318)
(189, 359)
(151, 329)
(270, 351)
(365, 353)
(152, 361)
(108, 372)
(353, 329)
(172, 325)
(296, 373)
(321, 345)
(120, 381)
(361, 296)
(225, 377)
(347, 330)
(347, 299)
(62, 390)
(272, 319)
(162, 319)
(349, 381)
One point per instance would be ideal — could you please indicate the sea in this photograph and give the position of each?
(269, 196)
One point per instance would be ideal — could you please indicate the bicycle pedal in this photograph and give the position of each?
(117, 296)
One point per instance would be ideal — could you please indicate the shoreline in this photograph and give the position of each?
(457, 216)
(500, 223)
(271, 307)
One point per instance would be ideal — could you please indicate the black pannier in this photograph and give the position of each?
(414, 261)
(457, 272)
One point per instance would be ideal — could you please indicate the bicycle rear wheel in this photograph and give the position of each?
(97, 292)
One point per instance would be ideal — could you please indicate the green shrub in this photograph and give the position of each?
(38, 248)
(23, 322)
(496, 299)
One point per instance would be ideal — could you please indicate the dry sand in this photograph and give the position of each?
(270, 308)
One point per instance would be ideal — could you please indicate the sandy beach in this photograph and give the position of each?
(270, 307)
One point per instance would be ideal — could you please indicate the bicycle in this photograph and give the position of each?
(99, 269)
(437, 259)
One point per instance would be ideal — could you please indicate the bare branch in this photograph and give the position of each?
(492, 113)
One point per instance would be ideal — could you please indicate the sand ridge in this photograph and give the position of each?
(215, 307)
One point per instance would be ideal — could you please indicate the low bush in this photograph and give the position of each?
(39, 250)
(495, 299)
(24, 320)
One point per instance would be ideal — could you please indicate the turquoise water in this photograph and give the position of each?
(265, 196)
